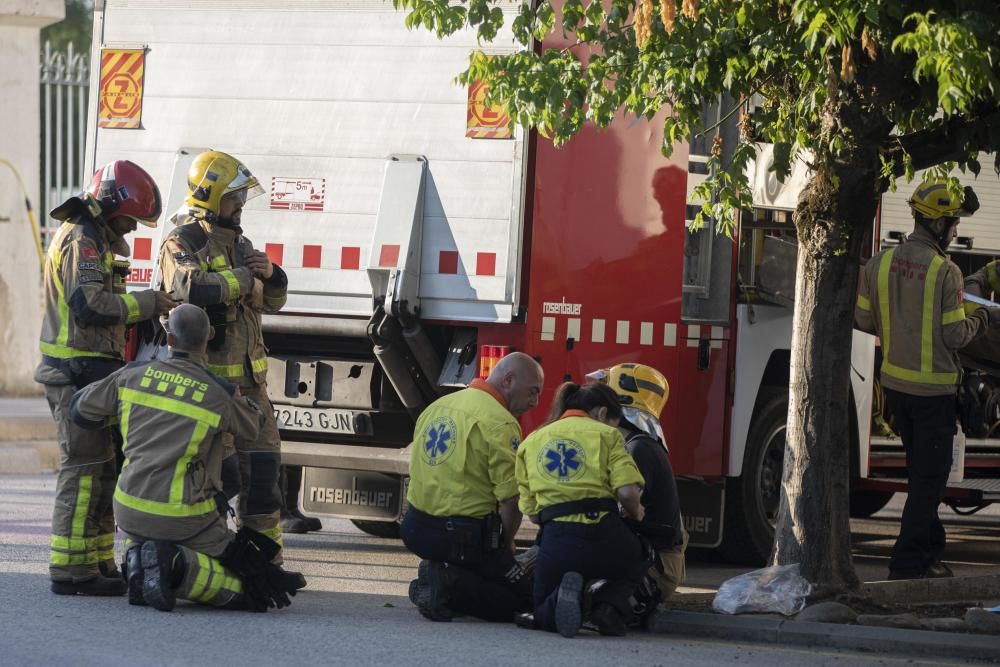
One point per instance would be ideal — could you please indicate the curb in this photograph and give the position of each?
(917, 591)
(769, 630)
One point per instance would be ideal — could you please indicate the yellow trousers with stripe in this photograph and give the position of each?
(83, 523)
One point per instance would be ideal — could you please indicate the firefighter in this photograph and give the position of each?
(82, 338)
(984, 283)
(206, 261)
(571, 473)
(170, 412)
(911, 297)
(642, 392)
(462, 497)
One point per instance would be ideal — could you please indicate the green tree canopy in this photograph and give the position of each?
(923, 74)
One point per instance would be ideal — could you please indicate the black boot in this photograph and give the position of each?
(607, 620)
(162, 571)
(433, 583)
(132, 569)
(292, 520)
(569, 604)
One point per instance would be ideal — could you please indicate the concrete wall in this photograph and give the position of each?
(20, 275)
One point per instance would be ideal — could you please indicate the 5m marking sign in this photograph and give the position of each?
(122, 72)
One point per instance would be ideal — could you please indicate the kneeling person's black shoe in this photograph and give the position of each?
(569, 604)
(607, 620)
(525, 620)
(132, 570)
(162, 562)
(432, 591)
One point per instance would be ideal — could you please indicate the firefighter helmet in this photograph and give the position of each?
(937, 198)
(123, 188)
(214, 174)
(642, 391)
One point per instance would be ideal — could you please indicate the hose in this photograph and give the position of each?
(31, 213)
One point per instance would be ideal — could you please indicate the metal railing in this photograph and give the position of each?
(65, 77)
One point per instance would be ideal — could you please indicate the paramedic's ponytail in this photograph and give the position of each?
(571, 396)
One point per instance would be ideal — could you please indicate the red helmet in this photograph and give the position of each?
(124, 188)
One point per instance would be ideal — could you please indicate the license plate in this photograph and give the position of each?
(324, 420)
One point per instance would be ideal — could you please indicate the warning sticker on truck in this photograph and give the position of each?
(297, 194)
(482, 121)
(120, 105)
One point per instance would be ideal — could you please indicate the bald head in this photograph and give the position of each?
(188, 328)
(519, 379)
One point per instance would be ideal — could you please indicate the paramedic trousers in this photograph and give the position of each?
(606, 550)
(927, 427)
(483, 589)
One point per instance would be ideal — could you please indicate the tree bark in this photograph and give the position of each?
(813, 520)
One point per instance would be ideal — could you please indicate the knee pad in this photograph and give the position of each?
(264, 496)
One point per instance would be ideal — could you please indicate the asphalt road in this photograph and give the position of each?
(354, 611)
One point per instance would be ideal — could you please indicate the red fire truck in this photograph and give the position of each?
(424, 237)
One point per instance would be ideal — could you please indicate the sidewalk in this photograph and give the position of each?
(28, 442)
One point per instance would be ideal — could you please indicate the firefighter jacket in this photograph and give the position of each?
(462, 456)
(911, 297)
(170, 414)
(985, 281)
(573, 458)
(86, 307)
(203, 264)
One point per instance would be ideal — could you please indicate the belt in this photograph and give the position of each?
(584, 506)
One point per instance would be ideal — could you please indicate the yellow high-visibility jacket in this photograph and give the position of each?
(86, 309)
(170, 414)
(203, 264)
(911, 297)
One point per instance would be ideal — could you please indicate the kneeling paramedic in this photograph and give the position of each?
(461, 470)
(172, 415)
(571, 473)
(82, 339)
(642, 392)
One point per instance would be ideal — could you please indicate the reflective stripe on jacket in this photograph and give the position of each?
(911, 297)
(203, 264)
(85, 315)
(169, 413)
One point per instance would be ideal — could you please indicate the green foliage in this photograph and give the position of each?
(912, 65)
(77, 27)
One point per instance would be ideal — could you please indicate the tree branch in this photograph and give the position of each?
(951, 141)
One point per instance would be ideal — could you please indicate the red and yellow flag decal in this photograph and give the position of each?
(120, 105)
(485, 122)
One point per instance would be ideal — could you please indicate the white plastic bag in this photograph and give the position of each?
(776, 589)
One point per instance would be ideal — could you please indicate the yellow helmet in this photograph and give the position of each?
(214, 174)
(937, 198)
(642, 391)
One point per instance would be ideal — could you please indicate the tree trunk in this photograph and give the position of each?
(813, 520)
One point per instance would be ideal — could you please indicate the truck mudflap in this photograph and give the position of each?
(702, 507)
(352, 494)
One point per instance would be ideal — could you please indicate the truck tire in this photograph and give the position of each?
(865, 502)
(752, 499)
(385, 529)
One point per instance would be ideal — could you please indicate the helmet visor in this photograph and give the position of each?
(245, 182)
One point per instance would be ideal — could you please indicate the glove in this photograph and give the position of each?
(993, 314)
(265, 584)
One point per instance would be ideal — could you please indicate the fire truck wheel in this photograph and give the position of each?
(752, 499)
(386, 529)
(864, 503)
